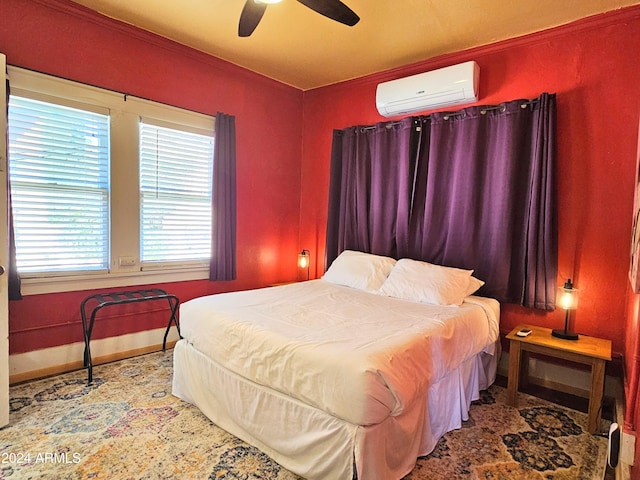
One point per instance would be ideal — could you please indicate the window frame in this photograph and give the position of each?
(207, 184)
(27, 190)
(125, 114)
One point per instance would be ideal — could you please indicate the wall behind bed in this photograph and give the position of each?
(593, 67)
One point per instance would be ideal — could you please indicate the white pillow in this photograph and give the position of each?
(474, 285)
(360, 270)
(427, 283)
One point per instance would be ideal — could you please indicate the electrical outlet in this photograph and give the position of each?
(628, 448)
(127, 261)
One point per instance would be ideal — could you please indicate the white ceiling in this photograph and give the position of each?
(297, 46)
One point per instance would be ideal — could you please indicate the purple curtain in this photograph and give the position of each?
(473, 189)
(370, 187)
(14, 292)
(223, 222)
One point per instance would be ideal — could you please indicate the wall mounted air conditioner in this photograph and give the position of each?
(455, 85)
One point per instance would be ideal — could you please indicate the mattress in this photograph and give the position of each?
(358, 356)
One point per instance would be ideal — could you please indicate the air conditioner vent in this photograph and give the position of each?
(454, 85)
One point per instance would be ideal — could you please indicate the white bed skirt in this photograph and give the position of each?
(316, 445)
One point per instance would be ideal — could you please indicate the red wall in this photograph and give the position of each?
(593, 67)
(60, 38)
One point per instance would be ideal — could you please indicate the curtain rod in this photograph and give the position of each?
(387, 125)
(447, 115)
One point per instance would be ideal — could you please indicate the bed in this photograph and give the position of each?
(354, 374)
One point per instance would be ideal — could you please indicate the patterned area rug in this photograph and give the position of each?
(127, 425)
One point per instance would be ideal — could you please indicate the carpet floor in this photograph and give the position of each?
(127, 425)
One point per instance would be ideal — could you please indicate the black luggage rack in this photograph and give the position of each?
(118, 298)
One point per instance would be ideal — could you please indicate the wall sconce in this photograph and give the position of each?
(304, 260)
(567, 299)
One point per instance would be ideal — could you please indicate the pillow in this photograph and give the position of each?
(360, 270)
(427, 283)
(474, 285)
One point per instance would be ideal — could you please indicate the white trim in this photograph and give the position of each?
(65, 102)
(125, 113)
(4, 259)
(50, 359)
(40, 285)
(40, 85)
(205, 132)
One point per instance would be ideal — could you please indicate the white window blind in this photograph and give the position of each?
(59, 171)
(175, 194)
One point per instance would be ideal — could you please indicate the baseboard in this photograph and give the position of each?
(67, 358)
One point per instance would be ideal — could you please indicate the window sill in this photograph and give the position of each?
(42, 285)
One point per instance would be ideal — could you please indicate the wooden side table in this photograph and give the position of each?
(587, 350)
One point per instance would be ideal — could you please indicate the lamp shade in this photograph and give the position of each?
(303, 259)
(567, 299)
(567, 296)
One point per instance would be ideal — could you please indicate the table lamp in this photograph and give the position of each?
(567, 299)
(304, 260)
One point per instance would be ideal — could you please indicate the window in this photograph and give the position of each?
(108, 190)
(175, 194)
(59, 168)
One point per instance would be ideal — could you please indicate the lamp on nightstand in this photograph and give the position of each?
(304, 260)
(567, 299)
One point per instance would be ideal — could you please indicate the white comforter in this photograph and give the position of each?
(359, 356)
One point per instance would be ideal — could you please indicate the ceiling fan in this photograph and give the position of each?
(333, 9)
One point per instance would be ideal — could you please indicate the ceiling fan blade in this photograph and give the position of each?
(250, 17)
(333, 9)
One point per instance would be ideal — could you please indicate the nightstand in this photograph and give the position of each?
(587, 350)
